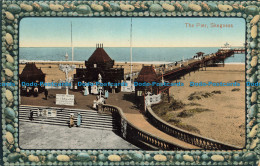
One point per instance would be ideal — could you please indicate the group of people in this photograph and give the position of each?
(71, 119)
(34, 91)
(198, 57)
(99, 101)
(79, 120)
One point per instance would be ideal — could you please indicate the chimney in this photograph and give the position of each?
(102, 45)
(142, 65)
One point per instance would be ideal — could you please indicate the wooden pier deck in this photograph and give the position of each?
(239, 50)
(174, 70)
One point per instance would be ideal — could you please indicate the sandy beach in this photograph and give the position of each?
(225, 120)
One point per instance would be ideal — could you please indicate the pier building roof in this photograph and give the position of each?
(30, 70)
(200, 53)
(147, 74)
(99, 56)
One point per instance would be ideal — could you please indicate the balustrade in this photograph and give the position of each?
(136, 135)
(203, 142)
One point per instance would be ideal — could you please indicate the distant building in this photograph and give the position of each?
(31, 74)
(99, 63)
(200, 55)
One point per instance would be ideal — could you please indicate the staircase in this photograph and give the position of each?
(90, 118)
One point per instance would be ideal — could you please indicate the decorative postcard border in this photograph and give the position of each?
(13, 11)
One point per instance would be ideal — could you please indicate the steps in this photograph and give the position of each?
(90, 118)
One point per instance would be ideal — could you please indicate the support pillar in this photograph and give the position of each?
(113, 90)
(168, 93)
(143, 109)
(100, 108)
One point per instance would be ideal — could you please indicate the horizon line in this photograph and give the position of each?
(119, 47)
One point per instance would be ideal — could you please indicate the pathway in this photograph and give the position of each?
(139, 120)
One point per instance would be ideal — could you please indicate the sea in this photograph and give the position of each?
(121, 54)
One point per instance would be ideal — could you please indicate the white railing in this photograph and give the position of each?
(153, 99)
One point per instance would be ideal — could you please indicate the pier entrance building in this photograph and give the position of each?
(99, 63)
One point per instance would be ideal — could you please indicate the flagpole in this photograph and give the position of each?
(131, 51)
(72, 49)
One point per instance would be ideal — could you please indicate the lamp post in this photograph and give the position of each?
(66, 69)
(99, 87)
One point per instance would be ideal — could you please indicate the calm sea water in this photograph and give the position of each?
(122, 54)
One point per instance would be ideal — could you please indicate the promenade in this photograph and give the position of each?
(123, 100)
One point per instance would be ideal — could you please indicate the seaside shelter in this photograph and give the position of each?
(30, 79)
(200, 54)
(99, 63)
(146, 76)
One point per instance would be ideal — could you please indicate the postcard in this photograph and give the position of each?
(130, 83)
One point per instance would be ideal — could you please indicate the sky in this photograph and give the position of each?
(115, 32)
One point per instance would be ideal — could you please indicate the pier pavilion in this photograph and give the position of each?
(31, 74)
(146, 75)
(149, 94)
(99, 63)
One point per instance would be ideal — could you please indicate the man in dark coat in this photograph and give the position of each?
(46, 93)
(31, 115)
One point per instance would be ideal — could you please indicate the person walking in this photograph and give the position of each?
(71, 120)
(86, 90)
(27, 92)
(31, 115)
(35, 91)
(79, 120)
(46, 94)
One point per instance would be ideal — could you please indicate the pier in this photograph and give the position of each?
(146, 129)
(238, 50)
(175, 70)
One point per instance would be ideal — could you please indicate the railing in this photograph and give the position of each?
(137, 136)
(153, 99)
(186, 68)
(197, 140)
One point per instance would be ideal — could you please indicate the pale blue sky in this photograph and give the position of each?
(115, 32)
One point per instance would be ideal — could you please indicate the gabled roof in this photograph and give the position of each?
(147, 74)
(200, 53)
(99, 56)
(30, 70)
